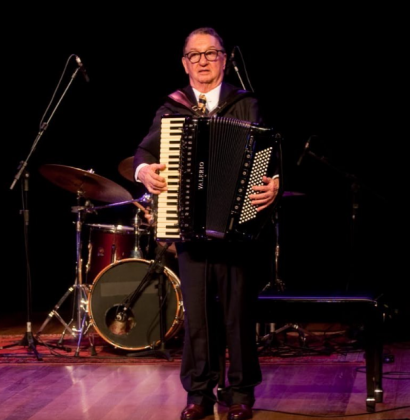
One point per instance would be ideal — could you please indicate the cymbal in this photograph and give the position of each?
(85, 183)
(125, 168)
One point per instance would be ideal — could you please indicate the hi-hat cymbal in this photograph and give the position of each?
(125, 168)
(85, 183)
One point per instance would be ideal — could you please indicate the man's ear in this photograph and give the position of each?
(185, 65)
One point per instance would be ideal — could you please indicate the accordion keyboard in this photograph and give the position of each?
(167, 208)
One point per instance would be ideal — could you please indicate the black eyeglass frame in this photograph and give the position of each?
(204, 53)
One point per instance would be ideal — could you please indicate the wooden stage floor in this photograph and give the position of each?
(293, 388)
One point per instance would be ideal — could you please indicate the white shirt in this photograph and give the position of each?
(212, 97)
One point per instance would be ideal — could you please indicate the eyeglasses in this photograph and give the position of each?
(210, 55)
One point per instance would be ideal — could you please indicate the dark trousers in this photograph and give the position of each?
(219, 293)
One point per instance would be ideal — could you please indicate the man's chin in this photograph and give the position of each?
(204, 77)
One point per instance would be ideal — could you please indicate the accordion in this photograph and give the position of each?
(211, 165)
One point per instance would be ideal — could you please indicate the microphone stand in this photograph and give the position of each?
(239, 75)
(155, 270)
(28, 340)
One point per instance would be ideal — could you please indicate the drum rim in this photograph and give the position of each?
(111, 228)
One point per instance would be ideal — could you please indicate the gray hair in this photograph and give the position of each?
(204, 31)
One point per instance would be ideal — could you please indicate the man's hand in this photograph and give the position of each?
(153, 182)
(266, 193)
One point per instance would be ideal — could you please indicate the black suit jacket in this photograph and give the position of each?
(233, 103)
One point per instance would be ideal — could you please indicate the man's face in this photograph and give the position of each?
(205, 74)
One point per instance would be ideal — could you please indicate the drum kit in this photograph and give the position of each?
(115, 292)
(115, 286)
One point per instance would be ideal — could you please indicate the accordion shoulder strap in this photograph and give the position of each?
(181, 98)
(234, 96)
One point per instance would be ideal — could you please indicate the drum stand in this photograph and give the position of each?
(78, 324)
(279, 284)
(137, 251)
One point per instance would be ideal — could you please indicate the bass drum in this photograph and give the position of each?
(138, 327)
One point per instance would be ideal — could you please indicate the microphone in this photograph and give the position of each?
(82, 68)
(305, 150)
(121, 316)
(231, 61)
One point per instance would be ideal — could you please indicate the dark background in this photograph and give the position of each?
(333, 74)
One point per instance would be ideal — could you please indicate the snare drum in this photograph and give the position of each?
(106, 245)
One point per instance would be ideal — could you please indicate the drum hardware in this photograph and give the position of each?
(137, 251)
(278, 285)
(139, 229)
(271, 338)
(146, 204)
(146, 200)
(78, 325)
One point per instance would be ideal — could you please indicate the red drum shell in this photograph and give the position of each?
(106, 245)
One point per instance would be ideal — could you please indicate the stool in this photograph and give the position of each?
(345, 307)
